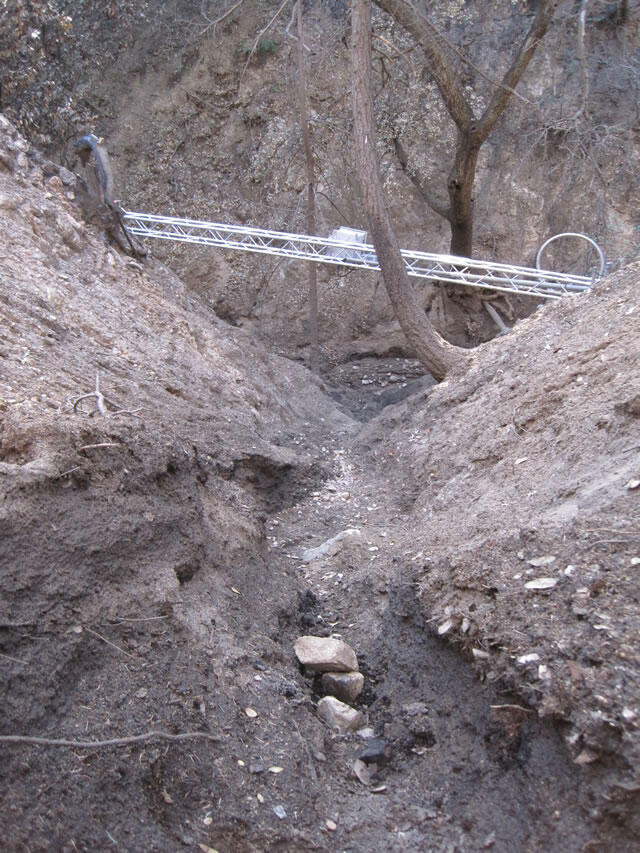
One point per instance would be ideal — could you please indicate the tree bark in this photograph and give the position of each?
(437, 356)
(311, 202)
(460, 187)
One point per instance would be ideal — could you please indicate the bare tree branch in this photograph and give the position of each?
(219, 19)
(502, 96)
(438, 206)
(584, 72)
(444, 73)
(472, 132)
(262, 32)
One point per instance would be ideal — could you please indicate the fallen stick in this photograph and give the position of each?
(108, 642)
(97, 744)
(10, 657)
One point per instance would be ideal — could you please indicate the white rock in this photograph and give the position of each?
(480, 654)
(333, 545)
(366, 733)
(541, 583)
(538, 562)
(339, 716)
(326, 654)
(346, 686)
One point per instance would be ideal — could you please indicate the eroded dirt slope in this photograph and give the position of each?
(151, 574)
(517, 493)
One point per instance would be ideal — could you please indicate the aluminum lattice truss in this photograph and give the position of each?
(446, 269)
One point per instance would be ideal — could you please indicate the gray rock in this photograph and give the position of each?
(339, 716)
(325, 654)
(346, 686)
(377, 751)
(333, 545)
(67, 177)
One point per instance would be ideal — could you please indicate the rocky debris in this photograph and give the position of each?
(339, 716)
(362, 771)
(346, 686)
(325, 654)
(340, 678)
(377, 751)
(332, 546)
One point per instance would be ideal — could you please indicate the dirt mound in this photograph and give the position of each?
(516, 488)
(142, 444)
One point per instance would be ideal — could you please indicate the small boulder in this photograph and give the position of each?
(325, 654)
(332, 546)
(339, 716)
(377, 751)
(67, 177)
(346, 686)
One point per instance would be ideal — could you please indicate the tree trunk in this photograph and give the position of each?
(311, 201)
(460, 187)
(437, 356)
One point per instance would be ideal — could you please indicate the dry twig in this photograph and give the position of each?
(108, 642)
(101, 403)
(100, 400)
(220, 18)
(98, 744)
(509, 707)
(15, 660)
(261, 33)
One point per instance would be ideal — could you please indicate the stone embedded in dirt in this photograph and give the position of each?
(346, 686)
(377, 751)
(325, 654)
(333, 545)
(445, 627)
(362, 772)
(415, 709)
(532, 657)
(541, 583)
(339, 716)
(67, 177)
(366, 733)
(539, 562)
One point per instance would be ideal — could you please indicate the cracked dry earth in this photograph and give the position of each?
(152, 574)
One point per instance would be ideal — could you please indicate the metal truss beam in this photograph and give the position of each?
(446, 269)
